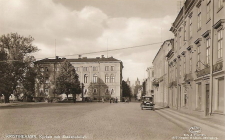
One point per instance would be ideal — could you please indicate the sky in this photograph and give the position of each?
(71, 27)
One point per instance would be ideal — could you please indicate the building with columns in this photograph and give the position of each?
(198, 57)
(101, 77)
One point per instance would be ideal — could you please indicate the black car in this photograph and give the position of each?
(147, 102)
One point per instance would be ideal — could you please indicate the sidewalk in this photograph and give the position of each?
(214, 118)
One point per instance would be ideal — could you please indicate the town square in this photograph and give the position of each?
(112, 69)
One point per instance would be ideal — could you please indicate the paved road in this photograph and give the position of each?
(101, 121)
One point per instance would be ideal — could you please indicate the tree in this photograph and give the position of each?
(68, 81)
(126, 90)
(14, 61)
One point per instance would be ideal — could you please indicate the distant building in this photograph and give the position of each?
(137, 82)
(128, 81)
(102, 77)
(160, 81)
(49, 70)
(149, 82)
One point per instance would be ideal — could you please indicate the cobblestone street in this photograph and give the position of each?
(100, 121)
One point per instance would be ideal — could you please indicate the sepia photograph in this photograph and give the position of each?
(112, 70)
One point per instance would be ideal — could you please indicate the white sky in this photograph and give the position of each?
(81, 26)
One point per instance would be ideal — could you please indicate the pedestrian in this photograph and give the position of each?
(110, 100)
(116, 99)
(102, 100)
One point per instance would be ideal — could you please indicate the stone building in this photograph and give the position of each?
(160, 82)
(198, 57)
(101, 77)
(149, 81)
(48, 70)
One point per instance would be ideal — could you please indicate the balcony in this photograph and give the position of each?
(218, 67)
(188, 77)
(203, 72)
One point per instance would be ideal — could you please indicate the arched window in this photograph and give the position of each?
(85, 91)
(107, 78)
(95, 78)
(112, 91)
(112, 78)
(95, 91)
(85, 78)
(107, 91)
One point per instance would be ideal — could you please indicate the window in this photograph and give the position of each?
(190, 65)
(180, 68)
(106, 68)
(112, 78)
(42, 69)
(184, 65)
(208, 12)
(85, 69)
(85, 91)
(85, 78)
(46, 80)
(220, 4)
(107, 91)
(112, 68)
(190, 27)
(180, 40)
(77, 68)
(198, 57)
(112, 91)
(95, 78)
(220, 43)
(95, 68)
(208, 51)
(107, 78)
(176, 73)
(95, 91)
(46, 91)
(199, 18)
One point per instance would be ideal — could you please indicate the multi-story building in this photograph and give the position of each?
(160, 81)
(48, 70)
(101, 77)
(149, 80)
(199, 56)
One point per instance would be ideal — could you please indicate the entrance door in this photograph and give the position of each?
(199, 97)
(207, 100)
(220, 96)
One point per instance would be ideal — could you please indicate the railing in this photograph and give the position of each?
(218, 67)
(203, 72)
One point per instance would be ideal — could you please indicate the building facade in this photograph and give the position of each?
(149, 81)
(101, 77)
(198, 57)
(48, 70)
(160, 82)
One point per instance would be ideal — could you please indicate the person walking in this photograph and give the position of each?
(103, 100)
(116, 100)
(110, 100)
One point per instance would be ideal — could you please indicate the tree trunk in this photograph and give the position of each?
(67, 96)
(6, 98)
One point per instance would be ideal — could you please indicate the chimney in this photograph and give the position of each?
(56, 57)
(79, 56)
(103, 56)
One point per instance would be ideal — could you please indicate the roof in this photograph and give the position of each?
(46, 60)
(97, 59)
(169, 40)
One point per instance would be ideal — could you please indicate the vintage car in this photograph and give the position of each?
(147, 102)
